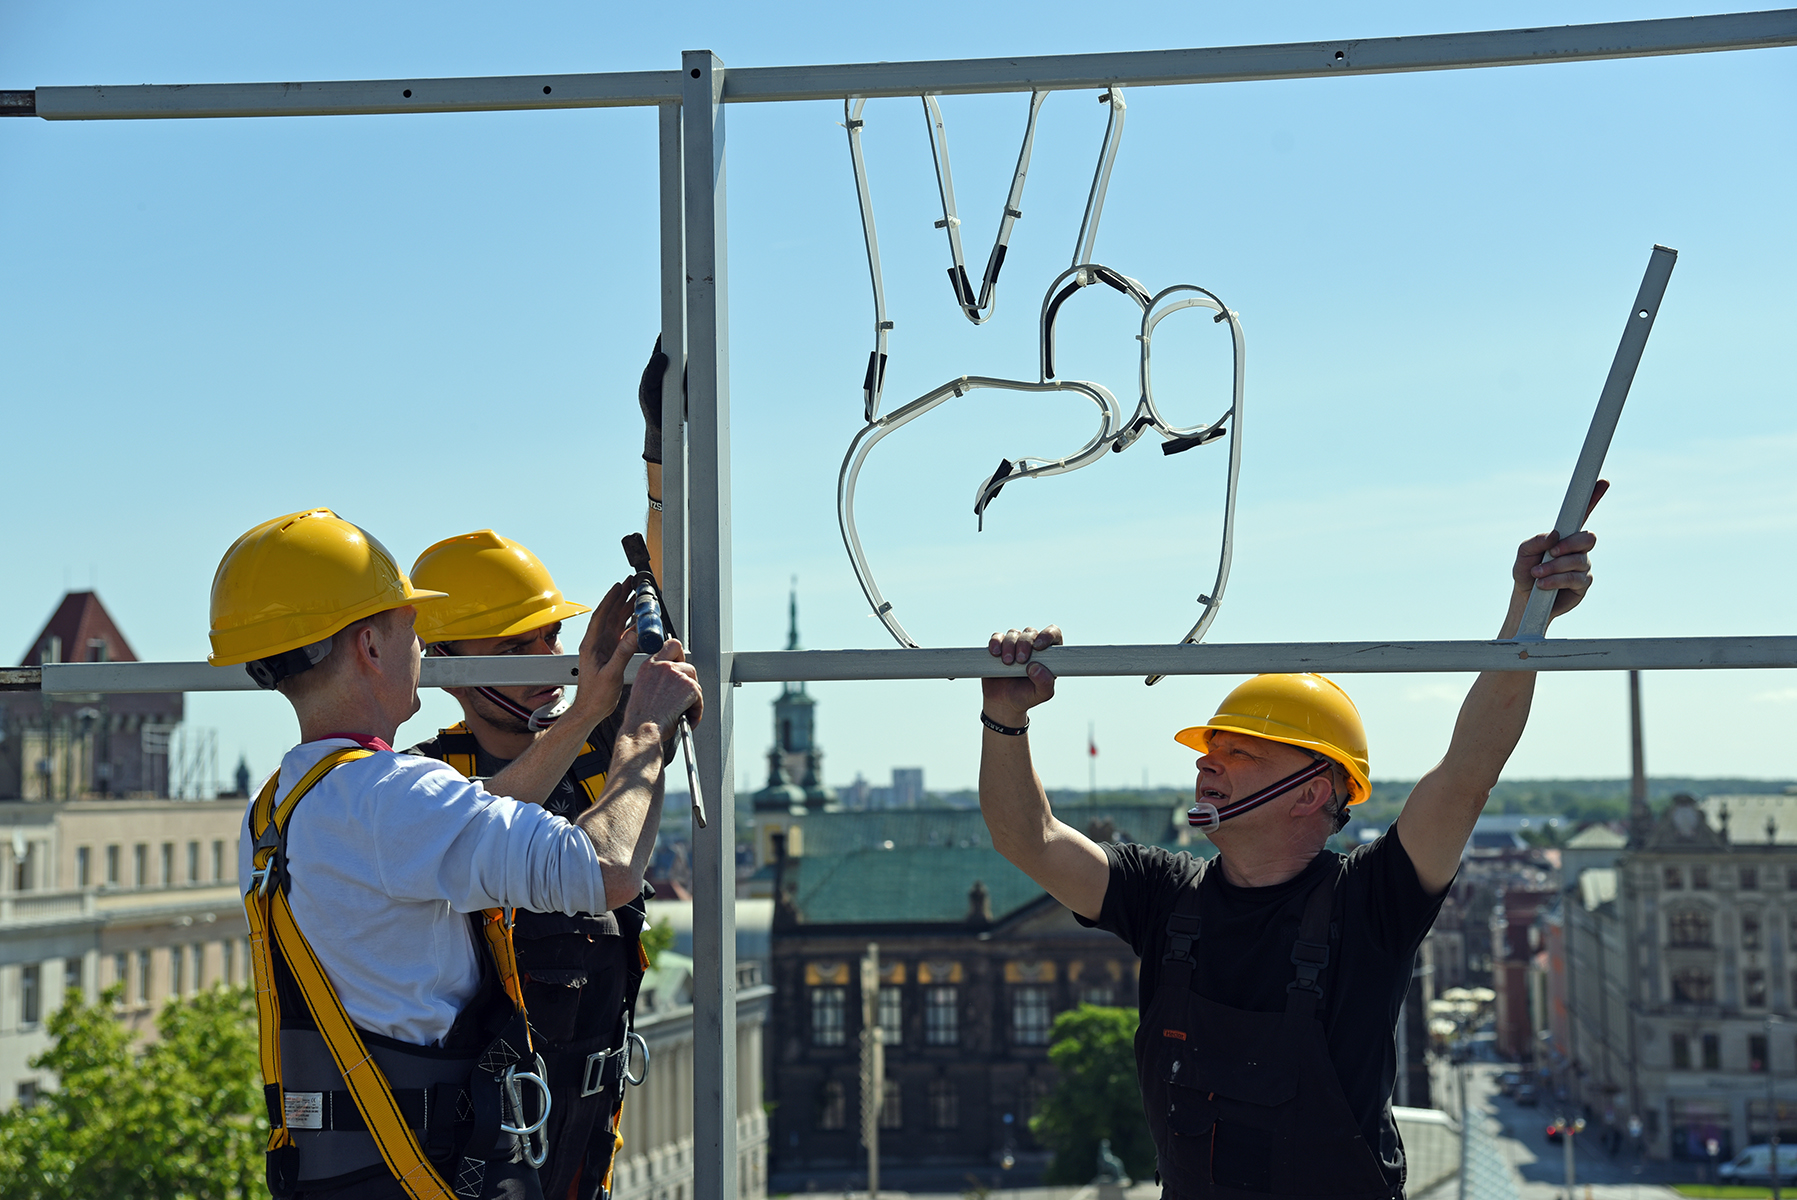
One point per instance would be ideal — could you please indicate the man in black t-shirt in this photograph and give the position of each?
(1272, 975)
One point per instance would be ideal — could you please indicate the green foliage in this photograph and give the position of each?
(656, 938)
(1095, 1096)
(180, 1118)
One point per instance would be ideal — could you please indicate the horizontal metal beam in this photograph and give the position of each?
(794, 666)
(1143, 68)
(1290, 60)
(359, 97)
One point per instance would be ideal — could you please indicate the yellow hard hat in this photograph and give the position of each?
(298, 579)
(496, 588)
(1308, 711)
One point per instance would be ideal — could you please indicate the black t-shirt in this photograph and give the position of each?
(1244, 955)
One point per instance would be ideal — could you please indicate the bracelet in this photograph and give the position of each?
(995, 727)
(654, 504)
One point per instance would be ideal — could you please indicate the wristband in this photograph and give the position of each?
(654, 504)
(995, 727)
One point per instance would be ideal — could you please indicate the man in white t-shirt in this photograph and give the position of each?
(388, 854)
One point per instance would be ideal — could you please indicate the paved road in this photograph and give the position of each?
(1540, 1165)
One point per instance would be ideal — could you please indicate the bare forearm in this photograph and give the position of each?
(1068, 865)
(652, 519)
(532, 776)
(623, 822)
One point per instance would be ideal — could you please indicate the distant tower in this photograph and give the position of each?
(243, 777)
(795, 755)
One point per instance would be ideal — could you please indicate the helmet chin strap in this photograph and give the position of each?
(1205, 815)
(535, 720)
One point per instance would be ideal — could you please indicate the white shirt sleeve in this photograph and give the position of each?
(438, 836)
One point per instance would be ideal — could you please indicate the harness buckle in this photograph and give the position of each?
(592, 1080)
(531, 1138)
(637, 1079)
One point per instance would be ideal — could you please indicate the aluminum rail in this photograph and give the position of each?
(812, 666)
(1141, 68)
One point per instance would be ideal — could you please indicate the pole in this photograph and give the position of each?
(1772, 1022)
(1640, 819)
(709, 627)
(1533, 626)
(873, 1066)
(1466, 1125)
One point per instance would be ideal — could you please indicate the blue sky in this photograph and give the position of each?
(434, 324)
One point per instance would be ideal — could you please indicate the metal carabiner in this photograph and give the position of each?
(515, 1100)
(639, 1040)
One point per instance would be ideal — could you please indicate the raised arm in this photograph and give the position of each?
(1068, 864)
(1439, 816)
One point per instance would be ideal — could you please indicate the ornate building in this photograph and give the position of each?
(795, 763)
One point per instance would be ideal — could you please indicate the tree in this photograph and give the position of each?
(1095, 1096)
(656, 938)
(180, 1118)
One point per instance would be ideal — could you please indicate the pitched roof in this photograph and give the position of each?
(84, 632)
(912, 884)
(1597, 837)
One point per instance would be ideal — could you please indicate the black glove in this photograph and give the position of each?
(648, 395)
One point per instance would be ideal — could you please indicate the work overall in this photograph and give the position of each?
(581, 975)
(1244, 1104)
(347, 1106)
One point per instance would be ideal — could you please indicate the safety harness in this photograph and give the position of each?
(588, 1075)
(461, 1120)
(535, 719)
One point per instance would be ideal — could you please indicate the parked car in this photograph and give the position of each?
(1754, 1165)
(1527, 1095)
(1508, 1081)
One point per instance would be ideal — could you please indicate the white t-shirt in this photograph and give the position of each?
(388, 852)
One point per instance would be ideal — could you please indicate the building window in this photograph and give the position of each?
(1693, 986)
(84, 866)
(1700, 878)
(199, 967)
(1712, 1052)
(942, 1016)
(1675, 879)
(945, 1105)
(121, 976)
(1689, 927)
(892, 1015)
(1791, 878)
(228, 972)
(177, 958)
(832, 1108)
(31, 987)
(1756, 1052)
(218, 860)
(140, 865)
(27, 1092)
(112, 866)
(1100, 996)
(1681, 1052)
(892, 1105)
(1030, 1017)
(1753, 986)
(193, 862)
(143, 976)
(71, 976)
(1750, 931)
(1750, 879)
(168, 864)
(21, 869)
(827, 1027)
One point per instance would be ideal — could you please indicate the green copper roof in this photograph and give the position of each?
(910, 883)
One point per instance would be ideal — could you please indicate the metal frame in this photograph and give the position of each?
(696, 467)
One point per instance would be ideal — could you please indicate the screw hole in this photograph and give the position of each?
(1340, 55)
(408, 93)
(545, 89)
(695, 72)
(1642, 313)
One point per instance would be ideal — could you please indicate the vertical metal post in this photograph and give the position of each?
(674, 532)
(873, 1066)
(709, 626)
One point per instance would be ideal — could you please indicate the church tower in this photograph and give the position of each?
(794, 775)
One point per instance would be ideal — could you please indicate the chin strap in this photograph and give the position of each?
(1205, 815)
(536, 720)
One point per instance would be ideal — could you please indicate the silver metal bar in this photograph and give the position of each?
(714, 849)
(1147, 68)
(674, 530)
(1640, 321)
(1291, 60)
(812, 666)
(493, 93)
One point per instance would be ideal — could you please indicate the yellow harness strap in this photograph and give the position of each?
(269, 913)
